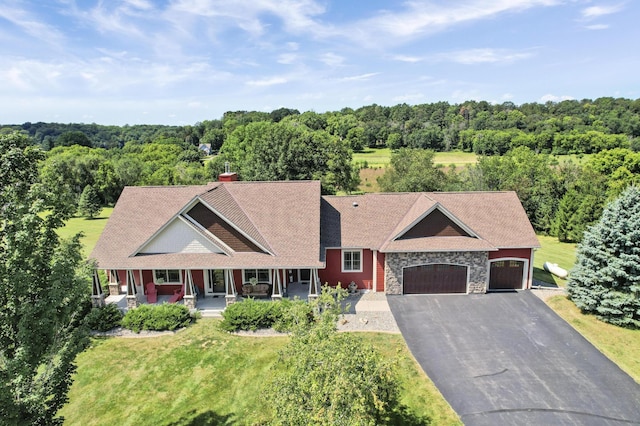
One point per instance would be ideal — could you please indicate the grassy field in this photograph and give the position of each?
(380, 157)
(91, 228)
(621, 345)
(564, 254)
(202, 376)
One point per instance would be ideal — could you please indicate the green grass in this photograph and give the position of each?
(457, 158)
(204, 376)
(380, 157)
(375, 157)
(564, 254)
(91, 228)
(621, 345)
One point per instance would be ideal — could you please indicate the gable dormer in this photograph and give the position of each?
(221, 229)
(436, 222)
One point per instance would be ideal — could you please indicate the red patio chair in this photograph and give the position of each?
(177, 295)
(152, 293)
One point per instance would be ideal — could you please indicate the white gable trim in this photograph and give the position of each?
(444, 211)
(179, 236)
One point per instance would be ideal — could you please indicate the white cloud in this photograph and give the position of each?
(594, 12)
(331, 59)
(597, 27)
(481, 56)
(405, 58)
(554, 98)
(267, 82)
(32, 25)
(360, 77)
(420, 18)
(287, 58)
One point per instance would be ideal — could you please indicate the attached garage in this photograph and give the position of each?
(506, 275)
(435, 279)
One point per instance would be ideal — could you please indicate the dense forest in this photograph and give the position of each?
(516, 145)
(565, 127)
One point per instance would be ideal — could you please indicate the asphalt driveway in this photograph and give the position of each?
(507, 359)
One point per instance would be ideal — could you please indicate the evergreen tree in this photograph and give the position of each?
(89, 203)
(606, 278)
(43, 292)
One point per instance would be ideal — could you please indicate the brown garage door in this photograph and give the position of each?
(506, 275)
(435, 278)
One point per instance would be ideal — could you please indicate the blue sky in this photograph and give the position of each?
(184, 61)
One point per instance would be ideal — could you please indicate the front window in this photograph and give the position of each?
(166, 276)
(351, 260)
(260, 275)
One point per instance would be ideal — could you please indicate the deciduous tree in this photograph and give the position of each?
(328, 378)
(43, 292)
(412, 170)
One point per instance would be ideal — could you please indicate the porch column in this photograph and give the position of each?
(114, 283)
(190, 297)
(313, 285)
(375, 270)
(132, 292)
(97, 297)
(230, 287)
(276, 294)
(530, 276)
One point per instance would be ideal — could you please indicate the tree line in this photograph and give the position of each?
(566, 127)
(515, 144)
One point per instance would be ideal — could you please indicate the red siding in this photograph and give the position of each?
(524, 253)
(332, 273)
(237, 279)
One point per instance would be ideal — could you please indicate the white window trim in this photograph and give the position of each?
(244, 281)
(155, 280)
(342, 253)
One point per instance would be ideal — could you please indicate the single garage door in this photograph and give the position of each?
(506, 275)
(434, 279)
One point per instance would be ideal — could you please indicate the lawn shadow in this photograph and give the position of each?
(96, 218)
(545, 277)
(403, 417)
(207, 418)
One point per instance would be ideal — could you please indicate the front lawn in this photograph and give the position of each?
(91, 228)
(621, 345)
(201, 375)
(552, 250)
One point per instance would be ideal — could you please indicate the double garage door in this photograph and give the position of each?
(434, 279)
(445, 278)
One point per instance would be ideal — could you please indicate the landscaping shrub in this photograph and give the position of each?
(105, 318)
(251, 314)
(166, 316)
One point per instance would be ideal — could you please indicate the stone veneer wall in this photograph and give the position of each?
(476, 261)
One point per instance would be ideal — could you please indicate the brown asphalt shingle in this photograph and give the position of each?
(295, 224)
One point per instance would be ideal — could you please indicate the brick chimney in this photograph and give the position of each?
(228, 175)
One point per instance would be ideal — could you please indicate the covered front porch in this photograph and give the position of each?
(208, 291)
